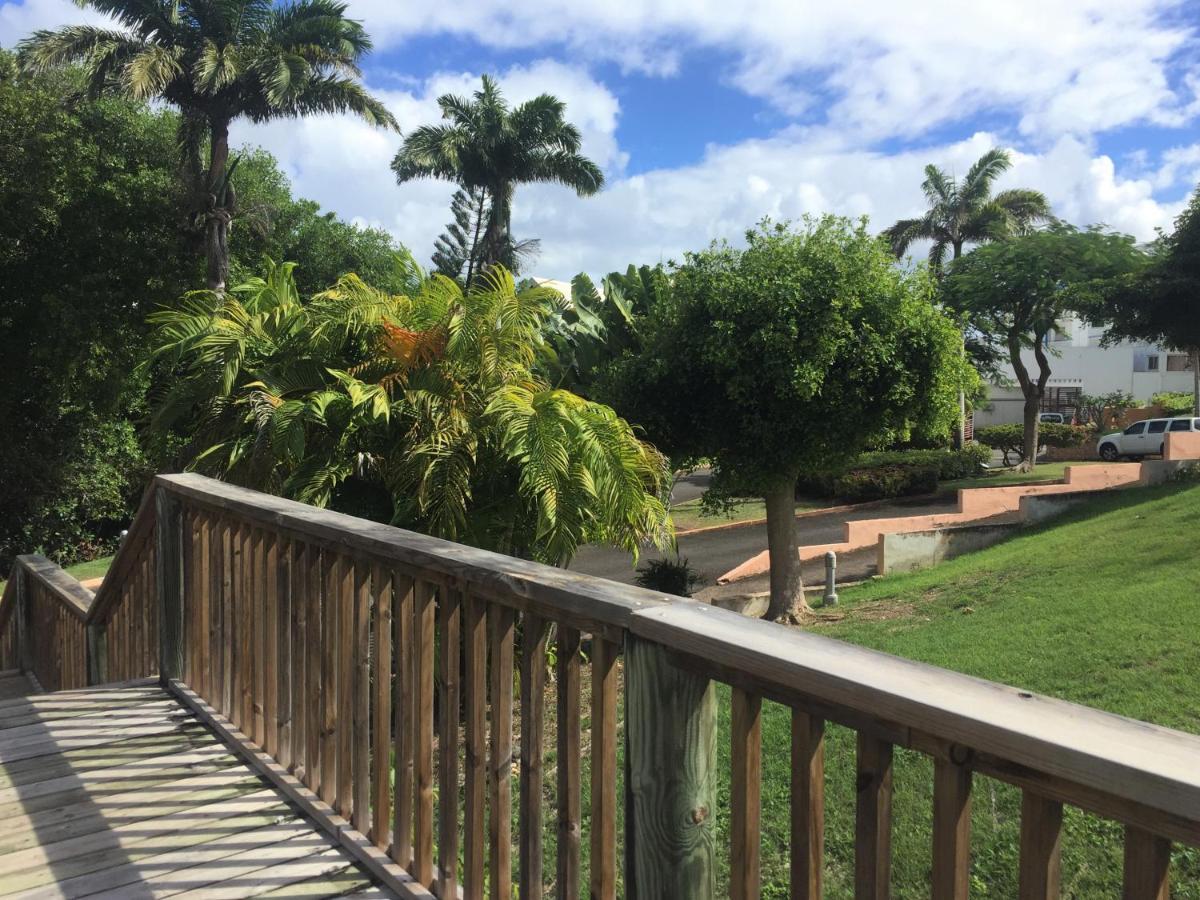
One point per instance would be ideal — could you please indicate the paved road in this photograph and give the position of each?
(691, 486)
(713, 553)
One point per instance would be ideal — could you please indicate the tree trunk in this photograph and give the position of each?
(219, 209)
(960, 434)
(471, 266)
(1195, 354)
(787, 587)
(1033, 407)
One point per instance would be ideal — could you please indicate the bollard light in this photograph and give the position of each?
(831, 597)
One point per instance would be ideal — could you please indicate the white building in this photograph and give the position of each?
(1079, 365)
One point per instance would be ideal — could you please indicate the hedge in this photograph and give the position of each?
(1011, 438)
(883, 474)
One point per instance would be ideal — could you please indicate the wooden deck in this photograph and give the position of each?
(120, 791)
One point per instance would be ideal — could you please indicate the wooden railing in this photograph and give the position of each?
(54, 628)
(388, 679)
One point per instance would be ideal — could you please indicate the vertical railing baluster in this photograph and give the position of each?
(269, 684)
(745, 794)
(475, 745)
(501, 628)
(570, 809)
(533, 725)
(347, 674)
(1147, 865)
(423, 641)
(808, 806)
(951, 830)
(314, 707)
(603, 856)
(361, 698)
(449, 652)
(405, 719)
(285, 615)
(381, 708)
(873, 820)
(298, 695)
(331, 565)
(1041, 847)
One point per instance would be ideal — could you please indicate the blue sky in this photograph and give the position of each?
(707, 115)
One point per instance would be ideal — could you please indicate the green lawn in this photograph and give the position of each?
(1099, 607)
(1050, 471)
(688, 515)
(84, 571)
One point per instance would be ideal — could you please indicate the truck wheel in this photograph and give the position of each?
(1108, 453)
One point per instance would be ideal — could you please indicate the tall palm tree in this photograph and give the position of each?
(963, 213)
(217, 61)
(489, 147)
(966, 212)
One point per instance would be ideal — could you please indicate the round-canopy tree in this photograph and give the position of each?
(488, 149)
(795, 353)
(419, 408)
(218, 62)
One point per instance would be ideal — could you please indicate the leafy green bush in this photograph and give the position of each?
(1174, 403)
(670, 576)
(884, 482)
(1010, 439)
(950, 464)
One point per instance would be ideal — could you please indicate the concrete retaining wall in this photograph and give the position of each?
(912, 550)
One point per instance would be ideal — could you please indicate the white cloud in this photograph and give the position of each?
(887, 68)
(17, 20)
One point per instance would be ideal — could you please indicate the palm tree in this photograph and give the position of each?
(422, 407)
(217, 62)
(487, 147)
(967, 212)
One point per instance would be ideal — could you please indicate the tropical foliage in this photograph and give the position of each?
(217, 62)
(418, 407)
(488, 149)
(967, 212)
(456, 251)
(1020, 289)
(800, 351)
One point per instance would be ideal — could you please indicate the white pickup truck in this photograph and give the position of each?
(1143, 438)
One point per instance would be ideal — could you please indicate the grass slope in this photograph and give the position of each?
(1099, 607)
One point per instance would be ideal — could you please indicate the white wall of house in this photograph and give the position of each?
(1078, 362)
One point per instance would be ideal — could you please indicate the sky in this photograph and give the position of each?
(707, 116)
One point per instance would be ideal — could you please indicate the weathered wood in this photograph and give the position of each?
(603, 856)
(1137, 762)
(331, 565)
(1147, 866)
(228, 636)
(1041, 848)
(168, 542)
(314, 707)
(299, 656)
(745, 795)
(570, 801)
(475, 746)
(535, 631)
(284, 672)
(381, 708)
(501, 627)
(807, 806)
(671, 733)
(405, 719)
(873, 820)
(361, 699)
(449, 654)
(347, 675)
(593, 605)
(423, 643)
(271, 622)
(258, 602)
(951, 830)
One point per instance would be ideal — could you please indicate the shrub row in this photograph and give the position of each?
(884, 474)
(1011, 438)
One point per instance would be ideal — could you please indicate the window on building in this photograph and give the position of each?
(1179, 362)
(1063, 400)
(1151, 363)
(1158, 426)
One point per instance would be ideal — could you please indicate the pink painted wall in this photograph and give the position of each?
(1182, 445)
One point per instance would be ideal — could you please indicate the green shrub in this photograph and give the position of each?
(670, 576)
(1174, 403)
(885, 482)
(950, 464)
(1010, 439)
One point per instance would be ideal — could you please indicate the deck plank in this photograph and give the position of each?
(121, 791)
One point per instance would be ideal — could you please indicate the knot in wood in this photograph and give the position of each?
(699, 814)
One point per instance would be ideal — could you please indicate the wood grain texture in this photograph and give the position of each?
(405, 717)
(951, 830)
(807, 806)
(474, 746)
(873, 820)
(530, 854)
(745, 795)
(285, 616)
(449, 656)
(603, 838)
(1147, 866)
(501, 628)
(1041, 848)
(361, 699)
(169, 586)
(671, 739)
(423, 646)
(381, 708)
(298, 681)
(347, 676)
(331, 568)
(568, 764)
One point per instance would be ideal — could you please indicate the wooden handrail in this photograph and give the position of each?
(75, 598)
(340, 648)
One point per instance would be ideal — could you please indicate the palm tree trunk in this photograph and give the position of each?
(216, 237)
(497, 226)
(787, 586)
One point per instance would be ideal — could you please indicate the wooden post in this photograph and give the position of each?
(168, 545)
(671, 729)
(22, 613)
(97, 653)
